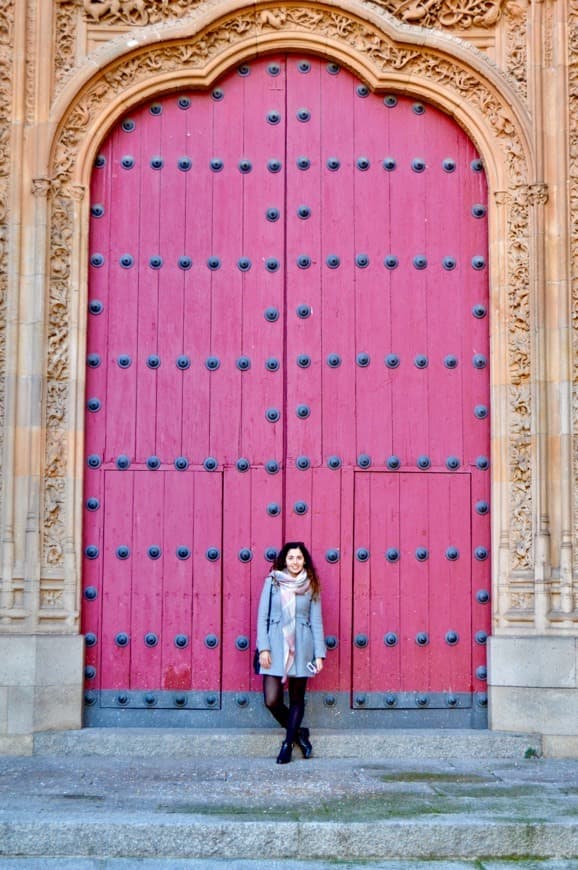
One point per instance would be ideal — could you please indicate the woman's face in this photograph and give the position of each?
(295, 561)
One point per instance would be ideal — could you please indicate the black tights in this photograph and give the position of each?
(289, 718)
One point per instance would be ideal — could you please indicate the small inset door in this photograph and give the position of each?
(413, 594)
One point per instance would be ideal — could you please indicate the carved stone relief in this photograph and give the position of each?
(252, 27)
(66, 19)
(450, 14)
(6, 49)
(573, 202)
(516, 25)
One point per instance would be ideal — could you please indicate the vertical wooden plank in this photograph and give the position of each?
(337, 311)
(94, 441)
(446, 276)
(240, 597)
(207, 582)
(449, 603)
(460, 610)
(264, 247)
(304, 261)
(266, 534)
(416, 580)
(408, 283)
(177, 612)
(325, 535)
(172, 280)
(226, 281)
(123, 257)
(117, 581)
(372, 304)
(199, 243)
(147, 589)
(361, 656)
(151, 261)
(179, 667)
(386, 591)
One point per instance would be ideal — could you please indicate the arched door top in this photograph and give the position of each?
(373, 45)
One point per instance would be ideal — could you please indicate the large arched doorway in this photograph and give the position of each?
(287, 339)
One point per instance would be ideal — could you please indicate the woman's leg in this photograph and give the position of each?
(273, 696)
(297, 687)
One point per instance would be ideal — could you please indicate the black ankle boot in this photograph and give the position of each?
(304, 743)
(284, 756)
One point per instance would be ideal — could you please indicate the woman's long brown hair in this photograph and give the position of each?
(280, 564)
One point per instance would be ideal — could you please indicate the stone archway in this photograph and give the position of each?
(387, 55)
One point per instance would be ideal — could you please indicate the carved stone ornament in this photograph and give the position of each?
(233, 39)
(6, 99)
(573, 196)
(459, 14)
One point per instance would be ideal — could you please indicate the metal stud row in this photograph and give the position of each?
(302, 261)
(421, 700)
(124, 699)
(422, 638)
(422, 554)
(243, 363)
(181, 463)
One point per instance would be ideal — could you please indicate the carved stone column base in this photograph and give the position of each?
(533, 687)
(41, 680)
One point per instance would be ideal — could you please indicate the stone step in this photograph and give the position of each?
(262, 743)
(234, 807)
(314, 841)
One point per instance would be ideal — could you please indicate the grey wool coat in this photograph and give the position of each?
(309, 635)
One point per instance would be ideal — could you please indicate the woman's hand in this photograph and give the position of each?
(319, 665)
(265, 659)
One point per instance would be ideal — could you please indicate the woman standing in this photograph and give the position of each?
(290, 640)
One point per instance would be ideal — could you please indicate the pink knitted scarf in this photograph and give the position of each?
(289, 587)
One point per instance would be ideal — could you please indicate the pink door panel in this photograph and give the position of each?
(287, 339)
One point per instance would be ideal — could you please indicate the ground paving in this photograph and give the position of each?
(91, 812)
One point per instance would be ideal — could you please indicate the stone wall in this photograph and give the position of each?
(507, 70)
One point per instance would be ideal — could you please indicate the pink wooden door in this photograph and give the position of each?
(287, 338)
